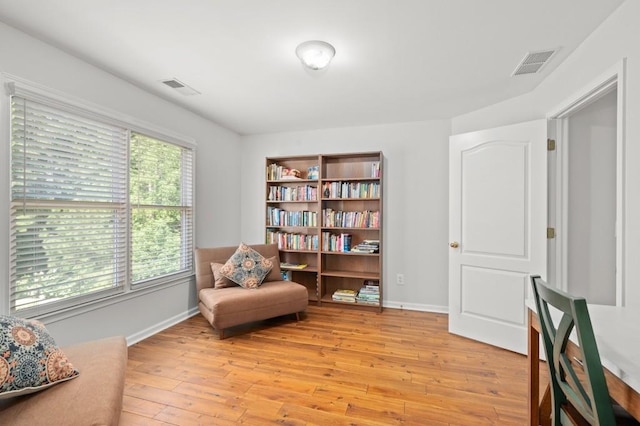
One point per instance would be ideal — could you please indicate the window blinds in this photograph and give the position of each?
(68, 207)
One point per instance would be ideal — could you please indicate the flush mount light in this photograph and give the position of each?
(315, 54)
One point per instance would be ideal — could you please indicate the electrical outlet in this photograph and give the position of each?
(400, 279)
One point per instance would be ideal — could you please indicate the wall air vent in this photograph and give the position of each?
(533, 62)
(179, 86)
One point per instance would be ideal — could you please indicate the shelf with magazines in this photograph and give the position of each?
(325, 212)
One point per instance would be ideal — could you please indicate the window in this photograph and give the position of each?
(96, 208)
(160, 177)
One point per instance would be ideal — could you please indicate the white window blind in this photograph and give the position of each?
(96, 208)
(68, 207)
(161, 198)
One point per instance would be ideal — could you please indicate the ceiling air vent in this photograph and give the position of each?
(179, 86)
(533, 62)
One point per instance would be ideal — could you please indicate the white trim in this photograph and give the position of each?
(36, 92)
(416, 307)
(590, 93)
(612, 79)
(169, 322)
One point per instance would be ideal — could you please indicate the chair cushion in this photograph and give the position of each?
(235, 305)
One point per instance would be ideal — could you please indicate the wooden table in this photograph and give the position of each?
(617, 331)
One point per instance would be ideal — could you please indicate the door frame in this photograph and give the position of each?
(612, 79)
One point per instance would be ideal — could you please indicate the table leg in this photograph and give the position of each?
(533, 356)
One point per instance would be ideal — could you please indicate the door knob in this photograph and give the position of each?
(454, 244)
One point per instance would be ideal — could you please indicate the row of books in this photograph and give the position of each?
(288, 241)
(351, 190)
(367, 246)
(337, 218)
(293, 193)
(279, 217)
(336, 242)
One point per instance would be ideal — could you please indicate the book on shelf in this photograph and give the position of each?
(287, 265)
(367, 246)
(374, 284)
(286, 275)
(369, 294)
(345, 292)
(344, 295)
(313, 172)
(368, 302)
(343, 299)
(375, 169)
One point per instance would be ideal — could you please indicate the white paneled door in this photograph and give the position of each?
(497, 230)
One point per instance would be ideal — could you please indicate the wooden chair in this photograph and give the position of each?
(579, 392)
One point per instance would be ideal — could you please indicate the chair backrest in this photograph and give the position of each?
(576, 379)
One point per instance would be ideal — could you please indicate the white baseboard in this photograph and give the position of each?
(150, 331)
(416, 307)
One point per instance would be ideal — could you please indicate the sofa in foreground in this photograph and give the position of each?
(225, 304)
(92, 398)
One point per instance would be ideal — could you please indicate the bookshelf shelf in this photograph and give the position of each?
(351, 274)
(289, 202)
(350, 253)
(284, 250)
(347, 228)
(344, 189)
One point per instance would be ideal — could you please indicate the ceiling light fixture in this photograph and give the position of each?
(315, 54)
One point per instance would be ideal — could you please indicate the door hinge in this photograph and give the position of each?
(551, 144)
(551, 233)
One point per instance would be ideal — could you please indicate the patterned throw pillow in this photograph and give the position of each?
(219, 280)
(246, 267)
(29, 358)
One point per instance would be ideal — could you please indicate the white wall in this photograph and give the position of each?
(615, 39)
(416, 175)
(217, 177)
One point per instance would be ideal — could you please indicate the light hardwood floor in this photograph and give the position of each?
(333, 367)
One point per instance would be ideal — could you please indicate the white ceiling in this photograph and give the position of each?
(396, 60)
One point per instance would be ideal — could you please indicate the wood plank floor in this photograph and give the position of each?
(333, 367)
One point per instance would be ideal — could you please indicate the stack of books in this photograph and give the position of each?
(369, 294)
(367, 246)
(344, 295)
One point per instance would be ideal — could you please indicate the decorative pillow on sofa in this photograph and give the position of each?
(219, 280)
(274, 274)
(246, 267)
(29, 358)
